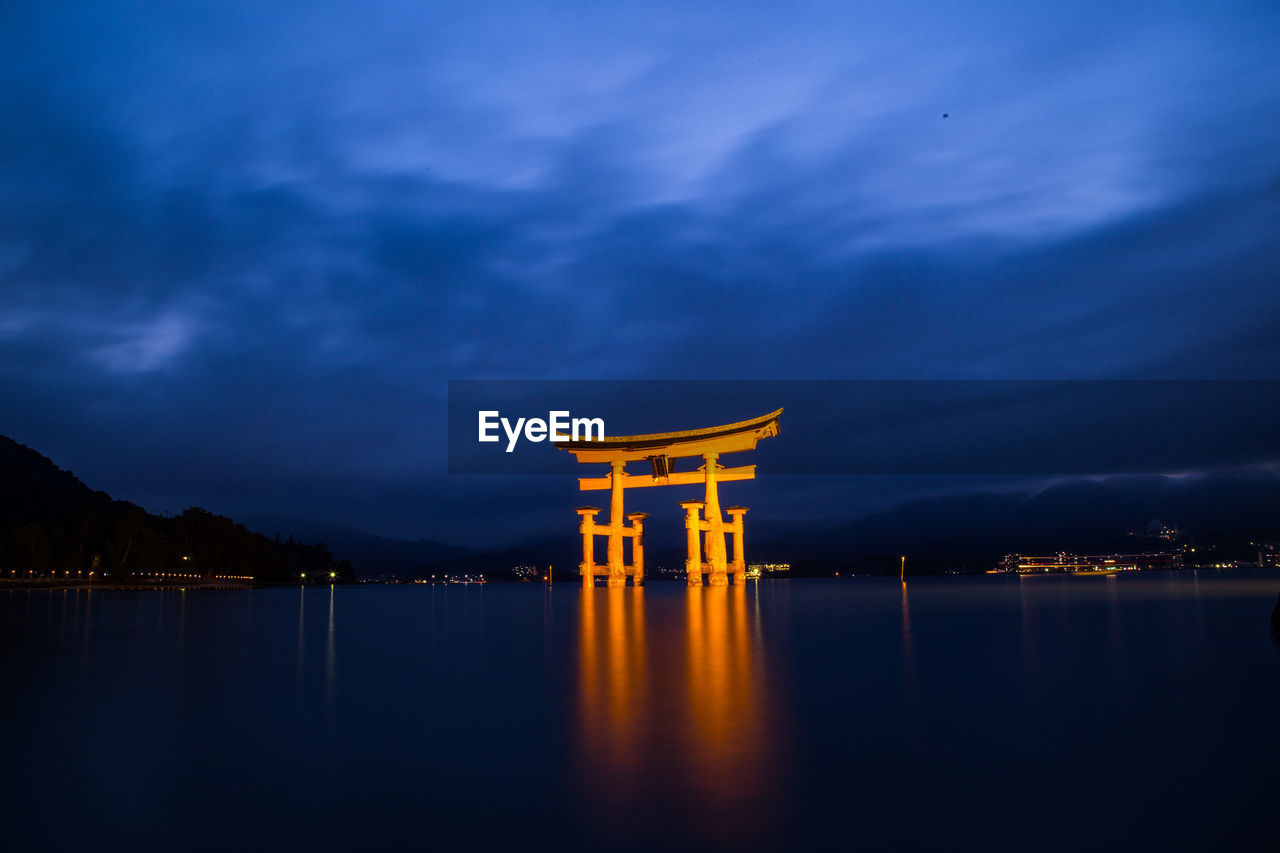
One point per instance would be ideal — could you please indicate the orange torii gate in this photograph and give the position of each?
(660, 450)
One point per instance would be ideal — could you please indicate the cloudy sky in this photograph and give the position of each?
(243, 246)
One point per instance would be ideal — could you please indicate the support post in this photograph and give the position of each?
(617, 571)
(693, 530)
(739, 566)
(637, 547)
(587, 527)
(716, 558)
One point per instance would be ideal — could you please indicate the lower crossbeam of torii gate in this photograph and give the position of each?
(704, 522)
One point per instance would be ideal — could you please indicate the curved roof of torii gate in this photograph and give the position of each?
(727, 438)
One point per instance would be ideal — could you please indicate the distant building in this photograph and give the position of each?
(1067, 562)
(756, 570)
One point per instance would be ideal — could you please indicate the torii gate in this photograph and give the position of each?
(661, 450)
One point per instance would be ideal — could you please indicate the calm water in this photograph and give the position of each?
(985, 713)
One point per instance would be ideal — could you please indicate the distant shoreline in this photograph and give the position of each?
(65, 585)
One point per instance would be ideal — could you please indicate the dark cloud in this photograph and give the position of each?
(242, 249)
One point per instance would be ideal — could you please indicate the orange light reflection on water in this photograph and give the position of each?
(673, 707)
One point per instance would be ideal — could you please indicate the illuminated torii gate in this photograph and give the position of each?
(704, 517)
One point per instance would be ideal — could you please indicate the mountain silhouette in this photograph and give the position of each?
(53, 525)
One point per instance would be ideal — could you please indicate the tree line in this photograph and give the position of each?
(125, 538)
(52, 522)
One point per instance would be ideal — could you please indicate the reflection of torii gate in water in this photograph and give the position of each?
(660, 450)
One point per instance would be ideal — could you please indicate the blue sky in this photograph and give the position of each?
(243, 246)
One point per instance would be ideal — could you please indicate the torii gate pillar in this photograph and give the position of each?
(587, 527)
(693, 533)
(739, 565)
(617, 570)
(717, 561)
(637, 547)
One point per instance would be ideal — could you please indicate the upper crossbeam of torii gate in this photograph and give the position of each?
(704, 517)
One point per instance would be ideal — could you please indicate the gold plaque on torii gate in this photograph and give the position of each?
(703, 517)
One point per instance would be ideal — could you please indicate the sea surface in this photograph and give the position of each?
(988, 713)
